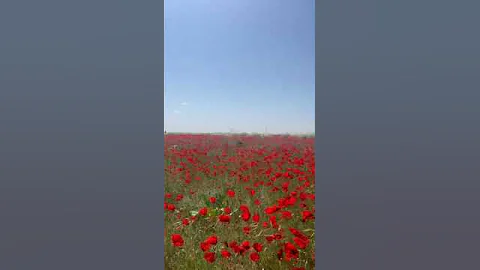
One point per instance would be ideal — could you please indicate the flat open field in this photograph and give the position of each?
(239, 202)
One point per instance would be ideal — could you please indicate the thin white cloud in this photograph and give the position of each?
(184, 103)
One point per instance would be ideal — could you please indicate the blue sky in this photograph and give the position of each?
(240, 65)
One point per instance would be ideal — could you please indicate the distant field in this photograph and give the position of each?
(239, 202)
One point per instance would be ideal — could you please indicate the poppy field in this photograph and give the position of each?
(239, 202)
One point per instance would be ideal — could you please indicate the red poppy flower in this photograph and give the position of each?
(246, 245)
(291, 252)
(273, 221)
(272, 209)
(209, 257)
(225, 253)
(238, 250)
(203, 211)
(291, 200)
(245, 216)
(256, 218)
(224, 218)
(185, 221)
(301, 243)
(280, 254)
(298, 234)
(246, 230)
(171, 207)
(213, 199)
(227, 210)
(285, 186)
(306, 215)
(233, 244)
(212, 240)
(244, 208)
(235, 247)
(258, 247)
(205, 246)
(270, 238)
(286, 215)
(177, 240)
(254, 257)
(231, 193)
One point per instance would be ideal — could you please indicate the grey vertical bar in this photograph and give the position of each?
(81, 134)
(398, 148)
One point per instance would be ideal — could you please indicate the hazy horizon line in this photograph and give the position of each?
(245, 133)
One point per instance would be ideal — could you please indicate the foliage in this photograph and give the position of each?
(240, 206)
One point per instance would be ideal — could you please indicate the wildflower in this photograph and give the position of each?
(280, 254)
(270, 238)
(205, 246)
(233, 245)
(209, 257)
(203, 211)
(306, 215)
(245, 216)
(177, 240)
(225, 253)
(244, 208)
(272, 209)
(256, 218)
(291, 252)
(286, 215)
(171, 207)
(224, 218)
(231, 193)
(273, 221)
(297, 233)
(245, 212)
(258, 247)
(254, 257)
(212, 240)
(301, 243)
